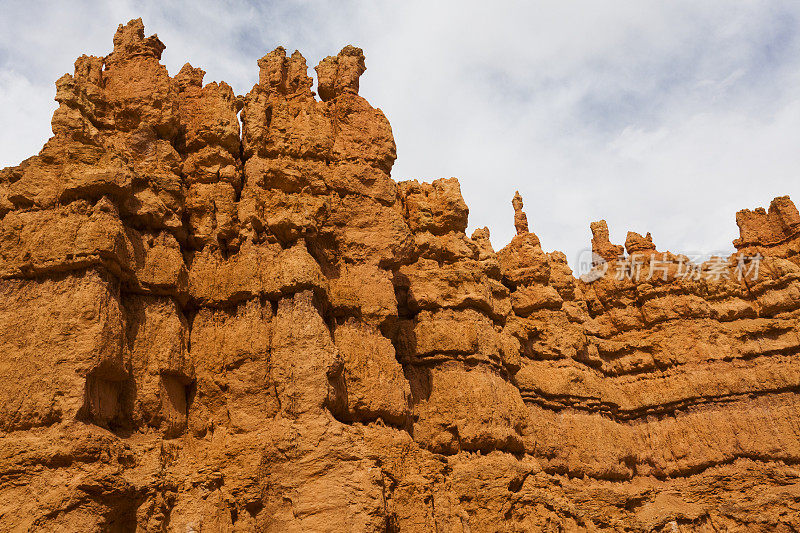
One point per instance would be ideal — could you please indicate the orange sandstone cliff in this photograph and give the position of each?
(208, 326)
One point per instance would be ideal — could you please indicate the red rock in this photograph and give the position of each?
(208, 327)
(601, 245)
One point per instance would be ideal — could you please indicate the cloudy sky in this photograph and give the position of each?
(665, 117)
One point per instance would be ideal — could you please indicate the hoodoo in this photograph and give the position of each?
(220, 313)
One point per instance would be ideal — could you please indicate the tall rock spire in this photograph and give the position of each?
(520, 218)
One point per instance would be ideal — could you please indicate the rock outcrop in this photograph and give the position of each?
(220, 313)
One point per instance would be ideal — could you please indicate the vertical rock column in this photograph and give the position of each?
(450, 339)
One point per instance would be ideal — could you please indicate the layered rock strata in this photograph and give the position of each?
(220, 313)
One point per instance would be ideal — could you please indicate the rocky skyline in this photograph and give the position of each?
(220, 312)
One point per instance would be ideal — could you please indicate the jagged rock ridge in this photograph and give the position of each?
(213, 327)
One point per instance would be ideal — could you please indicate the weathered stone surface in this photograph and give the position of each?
(775, 232)
(364, 291)
(231, 349)
(255, 270)
(339, 74)
(462, 408)
(459, 285)
(208, 327)
(62, 340)
(304, 385)
(601, 245)
(157, 342)
(436, 207)
(373, 379)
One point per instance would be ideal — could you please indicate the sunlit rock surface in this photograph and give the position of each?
(220, 313)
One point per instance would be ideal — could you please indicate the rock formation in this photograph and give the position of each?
(208, 327)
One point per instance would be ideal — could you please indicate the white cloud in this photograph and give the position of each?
(25, 112)
(661, 117)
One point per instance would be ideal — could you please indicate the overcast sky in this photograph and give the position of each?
(665, 117)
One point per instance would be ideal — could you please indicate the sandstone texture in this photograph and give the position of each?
(220, 313)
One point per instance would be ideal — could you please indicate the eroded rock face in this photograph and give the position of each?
(208, 327)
